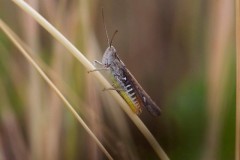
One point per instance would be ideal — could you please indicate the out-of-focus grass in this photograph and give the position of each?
(237, 144)
(163, 43)
(187, 107)
(18, 42)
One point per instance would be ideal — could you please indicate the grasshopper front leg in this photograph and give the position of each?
(98, 69)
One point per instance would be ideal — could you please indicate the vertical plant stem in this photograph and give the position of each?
(91, 92)
(34, 108)
(237, 149)
(217, 72)
(54, 113)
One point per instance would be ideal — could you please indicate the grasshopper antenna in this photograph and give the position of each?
(105, 27)
(113, 37)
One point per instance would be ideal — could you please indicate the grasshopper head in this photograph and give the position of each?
(109, 56)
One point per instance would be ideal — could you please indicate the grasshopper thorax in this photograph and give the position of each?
(109, 56)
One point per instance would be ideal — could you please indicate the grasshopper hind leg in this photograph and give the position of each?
(153, 109)
(151, 106)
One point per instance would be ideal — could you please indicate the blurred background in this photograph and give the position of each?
(181, 52)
